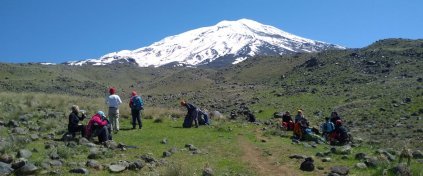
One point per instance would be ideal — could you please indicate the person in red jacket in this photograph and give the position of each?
(98, 126)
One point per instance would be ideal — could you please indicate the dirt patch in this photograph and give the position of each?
(262, 165)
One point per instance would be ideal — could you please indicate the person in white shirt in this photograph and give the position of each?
(113, 101)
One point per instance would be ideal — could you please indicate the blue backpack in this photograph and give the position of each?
(137, 103)
(328, 127)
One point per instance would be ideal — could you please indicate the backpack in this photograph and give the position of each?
(328, 127)
(137, 103)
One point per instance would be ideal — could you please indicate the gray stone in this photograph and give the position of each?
(173, 150)
(417, 154)
(5, 158)
(148, 158)
(360, 156)
(56, 163)
(320, 154)
(27, 169)
(19, 163)
(71, 144)
(90, 144)
(167, 154)
(208, 171)
(402, 170)
(19, 130)
(164, 141)
(83, 141)
(341, 170)
(12, 124)
(5, 169)
(389, 156)
(24, 153)
(116, 168)
(111, 144)
(361, 165)
(346, 150)
(136, 165)
(94, 164)
(54, 156)
(297, 156)
(79, 171)
(189, 145)
(326, 159)
(34, 137)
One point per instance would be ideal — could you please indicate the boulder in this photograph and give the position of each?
(24, 153)
(346, 150)
(83, 141)
(94, 164)
(166, 154)
(136, 165)
(417, 154)
(361, 165)
(148, 158)
(110, 144)
(56, 163)
(19, 163)
(34, 137)
(12, 124)
(164, 141)
(116, 168)
(20, 131)
(5, 158)
(402, 170)
(27, 169)
(79, 171)
(360, 156)
(54, 156)
(5, 169)
(341, 170)
(307, 164)
(173, 150)
(207, 171)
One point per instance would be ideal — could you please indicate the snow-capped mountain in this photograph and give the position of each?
(227, 42)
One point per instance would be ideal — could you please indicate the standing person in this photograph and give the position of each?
(74, 119)
(113, 101)
(136, 104)
(192, 115)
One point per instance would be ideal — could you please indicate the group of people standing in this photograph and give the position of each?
(101, 126)
(332, 130)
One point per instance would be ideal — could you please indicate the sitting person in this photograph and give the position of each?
(98, 126)
(192, 115)
(334, 117)
(287, 122)
(74, 125)
(203, 118)
(340, 134)
(327, 128)
(311, 135)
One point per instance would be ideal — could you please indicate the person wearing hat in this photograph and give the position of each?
(97, 126)
(113, 101)
(136, 104)
(74, 119)
(192, 115)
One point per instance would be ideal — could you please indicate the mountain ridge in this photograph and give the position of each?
(228, 42)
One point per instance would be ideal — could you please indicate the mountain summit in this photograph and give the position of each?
(227, 42)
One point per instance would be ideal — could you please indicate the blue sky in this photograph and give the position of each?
(58, 31)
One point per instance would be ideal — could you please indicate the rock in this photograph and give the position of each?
(110, 144)
(402, 170)
(12, 124)
(173, 150)
(320, 154)
(326, 159)
(71, 144)
(83, 141)
(56, 163)
(50, 145)
(54, 156)
(360, 156)
(166, 154)
(35, 137)
(90, 144)
(277, 115)
(27, 169)
(372, 162)
(5, 169)
(297, 156)
(116, 168)
(94, 164)
(417, 154)
(333, 149)
(361, 165)
(20, 131)
(164, 141)
(5, 158)
(79, 171)
(389, 156)
(320, 167)
(122, 146)
(207, 171)
(307, 164)
(148, 158)
(19, 163)
(24, 153)
(341, 170)
(346, 150)
(136, 165)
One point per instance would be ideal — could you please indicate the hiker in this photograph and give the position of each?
(311, 134)
(136, 104)
(300, 125)
(192, 115)
(327, 128)
(74, 126)
(287, 121)
(113, 101)
(203, 118)
(98, 126)
(334, 117)
(340, 134)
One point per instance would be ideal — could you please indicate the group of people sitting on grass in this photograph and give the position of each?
(101, 126)
(331, 131)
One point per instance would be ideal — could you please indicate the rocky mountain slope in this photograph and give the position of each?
(226, 43)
